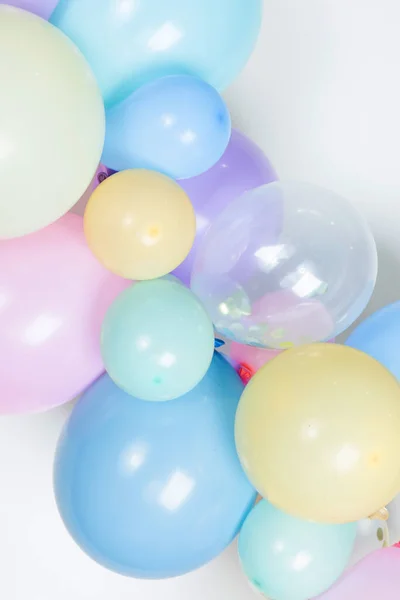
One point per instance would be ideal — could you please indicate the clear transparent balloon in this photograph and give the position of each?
(286, 264)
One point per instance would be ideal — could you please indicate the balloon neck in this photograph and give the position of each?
(218, 343)
(381, 515)
(245, 372)
(104, 174)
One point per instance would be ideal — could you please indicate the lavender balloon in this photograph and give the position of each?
(376, 577)
(242, 167)
(42, 8)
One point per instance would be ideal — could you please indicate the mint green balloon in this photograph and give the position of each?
(287, 558)
(157, 340)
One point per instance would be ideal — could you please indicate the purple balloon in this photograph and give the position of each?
(43, 8)
(242, 167)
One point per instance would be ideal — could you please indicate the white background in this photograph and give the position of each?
(321, 95)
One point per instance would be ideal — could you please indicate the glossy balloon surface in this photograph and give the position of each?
(140, 224)
(133, 42)
(53, 298)
(154, 490)
(242, 167)
(157, 340)
(379, 336)
(285, 264)
(177, 125)
(290, 559)
(317, 432)
(52, 125)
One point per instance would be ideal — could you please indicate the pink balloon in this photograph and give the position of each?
(376, 577)
(291, 323)
(53, 297)
(249, 359)
(43, 8)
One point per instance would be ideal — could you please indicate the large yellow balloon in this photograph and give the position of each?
(318, 433)
(140, 224)
(51, 123)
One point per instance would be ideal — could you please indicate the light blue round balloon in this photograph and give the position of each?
(153, 490)
(157, 340)
(132, 42)
(178, 125)
(287, 558)
(379, 336)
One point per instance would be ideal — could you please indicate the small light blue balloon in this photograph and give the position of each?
(379, 336)
(287, 558)
(131, 42)
(153, 490)
(157, 340)
(177, 125)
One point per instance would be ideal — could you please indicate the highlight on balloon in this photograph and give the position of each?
(153, 264)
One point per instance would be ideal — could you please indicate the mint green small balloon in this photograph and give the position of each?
(157, 340)
(287, 558)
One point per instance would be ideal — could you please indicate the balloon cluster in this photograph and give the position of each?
(186, 231)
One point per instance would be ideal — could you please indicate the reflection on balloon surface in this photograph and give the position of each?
(54, 295)
(157, 340)
(176, 125)
(154, 490)
(285, 264)
(296, 427)
(291, 559)
(129, 42)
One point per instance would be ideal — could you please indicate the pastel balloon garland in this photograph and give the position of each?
(149, 478)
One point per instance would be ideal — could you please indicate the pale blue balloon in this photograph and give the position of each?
(178, 125)
(130, 42)
(157, 340)
(379, 336)
(287, 558)
(154, 490)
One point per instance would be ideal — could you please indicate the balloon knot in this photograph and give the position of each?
(218, 343)
(245, 372)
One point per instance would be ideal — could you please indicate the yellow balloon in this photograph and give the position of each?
(51, 123)
(318, 433)
(140, 224)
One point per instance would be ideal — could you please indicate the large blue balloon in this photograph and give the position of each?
(135, 41)
(178, 125)
(154, 490)
(379, 336)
